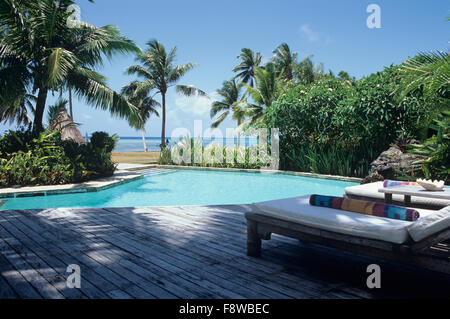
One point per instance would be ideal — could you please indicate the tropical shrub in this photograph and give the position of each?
(40, 158)
(213, 155)
(339, 127)
(437, 150)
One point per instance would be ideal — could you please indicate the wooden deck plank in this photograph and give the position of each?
(6, 292)
(228, 269)
(162, 252)
(45, 289)
(237, 256)
(53, 255)
(134, 246)
(180, 252)
(72, 254)
(196, 266)
(187, 285)
(21, 287)
(307, 288)
(298, 295)
(54, 277)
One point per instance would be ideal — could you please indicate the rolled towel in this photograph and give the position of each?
(389, 183)
(365, 207)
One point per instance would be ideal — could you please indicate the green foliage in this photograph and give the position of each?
(241, 157)
(232, 103)
(429, 71)
(246, 69)
(371, 112)
(165, 156)
(158, 72)
(40, 52)
(337, 126)
(40, 158)
(437, 150)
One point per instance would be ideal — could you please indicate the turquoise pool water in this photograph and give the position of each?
(189, 187)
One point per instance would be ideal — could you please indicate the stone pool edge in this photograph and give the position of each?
(119, 178)
(132, 174)
(257, 171)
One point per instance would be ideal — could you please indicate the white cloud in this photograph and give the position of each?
(196, 105)
(173, 117)
(311, 36)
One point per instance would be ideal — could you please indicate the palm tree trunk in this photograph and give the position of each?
(70, 104)
(143, 140)
(40, 108)
(239, 122)
(163, 129)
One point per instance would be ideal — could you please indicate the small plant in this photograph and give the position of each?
(41, 158)
(436, 149)
(213, 155)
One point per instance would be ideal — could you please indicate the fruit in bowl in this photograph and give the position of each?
(431, 185)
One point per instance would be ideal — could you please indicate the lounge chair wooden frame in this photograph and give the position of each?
(423, 254)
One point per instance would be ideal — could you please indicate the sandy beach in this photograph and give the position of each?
(135, 157)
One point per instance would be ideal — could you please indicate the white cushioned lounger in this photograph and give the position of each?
(370, 192)
(298, 210)
(380, 237)
(430, 224)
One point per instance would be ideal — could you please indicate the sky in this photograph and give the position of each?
(212, 33)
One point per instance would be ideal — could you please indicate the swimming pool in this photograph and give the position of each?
(189, 187)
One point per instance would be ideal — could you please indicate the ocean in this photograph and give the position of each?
(134, 144)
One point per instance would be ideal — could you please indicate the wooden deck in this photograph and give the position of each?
(179, 252)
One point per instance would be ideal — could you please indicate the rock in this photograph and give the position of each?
(393, 162)
(372, 178)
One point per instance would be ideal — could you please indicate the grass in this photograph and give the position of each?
(135, 157)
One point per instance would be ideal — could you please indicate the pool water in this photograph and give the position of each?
(189, 187)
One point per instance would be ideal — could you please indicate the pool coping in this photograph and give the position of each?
(132, 174)
(257, 171)
(119, 178)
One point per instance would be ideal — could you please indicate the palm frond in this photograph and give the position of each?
(90, 86)
(179, 71)
(430, 70)
(220, 119)
(60, 63)
(189, 90)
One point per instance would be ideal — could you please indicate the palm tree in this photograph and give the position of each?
(231, 98)
(284, 61)
(145, 104)
(158, 71)
(269, 85)
(344, 76)
(249, 62)
(232, 103)
(54, 111)
(428, 70)
(18, 111)
(304, 71)
(37, 54)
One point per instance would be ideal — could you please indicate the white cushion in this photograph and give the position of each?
(371, 191)
(430, 224)
(298, 210)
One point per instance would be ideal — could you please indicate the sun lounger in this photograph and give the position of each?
(370, 192)
(379, 237)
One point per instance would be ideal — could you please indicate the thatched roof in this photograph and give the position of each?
(68, 128)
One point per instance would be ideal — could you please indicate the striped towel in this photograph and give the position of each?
(389, 183)
(365, 207)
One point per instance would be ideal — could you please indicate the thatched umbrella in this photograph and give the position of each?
(68, 128)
